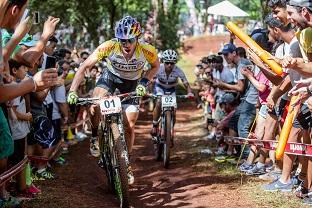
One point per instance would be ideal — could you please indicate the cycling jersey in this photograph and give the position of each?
(119, 66)
(172, 80)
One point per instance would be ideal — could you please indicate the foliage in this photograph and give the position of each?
(168, 25)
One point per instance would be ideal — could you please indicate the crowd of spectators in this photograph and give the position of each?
(243, 98)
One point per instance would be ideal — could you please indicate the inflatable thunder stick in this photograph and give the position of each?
(263, 55)
(283, 138)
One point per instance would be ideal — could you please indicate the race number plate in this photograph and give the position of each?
(110, 105)
(169, 101)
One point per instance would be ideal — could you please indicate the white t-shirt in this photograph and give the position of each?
(19, 128)
(226, 76)
(59, 96)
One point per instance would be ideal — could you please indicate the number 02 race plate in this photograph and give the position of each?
(169, 101)
(110, 105)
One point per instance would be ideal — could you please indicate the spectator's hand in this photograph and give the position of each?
(271, 103)
(72, 98)
(23, 28)
(49, 27)
(45, 79)
(289, 62)
(28, 116)
(255, 59)
(246, 72)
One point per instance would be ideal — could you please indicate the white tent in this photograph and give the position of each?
(226, 8)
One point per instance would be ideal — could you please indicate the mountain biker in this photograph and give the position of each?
(166, 82)
(125, 57)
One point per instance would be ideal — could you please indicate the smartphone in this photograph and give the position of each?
(50, 62)
(25, 15)
(36, 18)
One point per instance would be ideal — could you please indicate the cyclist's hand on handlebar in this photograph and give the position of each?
(72, 98)
(190, 95)
(140, 90)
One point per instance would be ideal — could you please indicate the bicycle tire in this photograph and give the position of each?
(167, 139)
(158, 150)
(121, 186)
(106, 151)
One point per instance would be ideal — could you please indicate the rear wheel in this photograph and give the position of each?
(167, 138)
(121, 177)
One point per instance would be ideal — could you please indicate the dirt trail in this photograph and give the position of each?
(187, 183)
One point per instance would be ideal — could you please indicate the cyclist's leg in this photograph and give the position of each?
(131, 115)
(104, 86)
(156, 112)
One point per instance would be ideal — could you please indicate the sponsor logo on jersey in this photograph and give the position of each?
(130, 67)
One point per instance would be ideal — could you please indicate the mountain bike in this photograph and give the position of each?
(163, 141)
(114, 158)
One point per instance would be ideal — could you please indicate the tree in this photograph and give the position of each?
(168, 25)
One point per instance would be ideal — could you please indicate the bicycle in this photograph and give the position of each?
(163, 141)
(114, 158)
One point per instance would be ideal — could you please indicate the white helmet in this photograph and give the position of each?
(169, 55)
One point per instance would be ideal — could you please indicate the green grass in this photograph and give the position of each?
(188, 68)
(271, 199)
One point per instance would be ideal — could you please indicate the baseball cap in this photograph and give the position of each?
(301, 3)
(228, 48)
(227, 98)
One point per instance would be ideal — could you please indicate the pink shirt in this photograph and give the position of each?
(263, 80)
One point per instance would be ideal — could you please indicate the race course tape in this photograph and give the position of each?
(291, 147)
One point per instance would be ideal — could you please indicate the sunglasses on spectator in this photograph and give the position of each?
(125, 41)
(169, 63)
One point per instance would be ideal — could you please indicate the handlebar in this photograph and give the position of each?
(91, 101)
(158, 96)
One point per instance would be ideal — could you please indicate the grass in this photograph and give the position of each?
(271, 199)
(188, 68)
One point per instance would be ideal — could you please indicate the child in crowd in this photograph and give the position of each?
(19, 123)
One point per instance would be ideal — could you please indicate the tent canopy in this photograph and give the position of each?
(226, 8)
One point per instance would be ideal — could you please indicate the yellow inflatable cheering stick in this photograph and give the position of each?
(283, 138)
(263, 55)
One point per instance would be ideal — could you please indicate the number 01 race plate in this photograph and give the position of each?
(169, 101)
(110, 105)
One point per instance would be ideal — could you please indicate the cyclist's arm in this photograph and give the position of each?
(79, 76)
(185, 81)
(150, 74)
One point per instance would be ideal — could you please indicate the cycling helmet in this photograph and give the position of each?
(169, 55)
(127, 28)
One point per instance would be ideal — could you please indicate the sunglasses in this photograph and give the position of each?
(169, 63)
(125, 41)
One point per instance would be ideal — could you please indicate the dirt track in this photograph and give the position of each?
(187, 183)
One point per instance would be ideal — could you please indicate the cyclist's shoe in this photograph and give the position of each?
(130, 176)
(256, 170)
(81, 136)
(94, 147)
(279, 186)
(44, 174)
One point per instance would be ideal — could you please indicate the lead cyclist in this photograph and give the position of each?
(125, 57)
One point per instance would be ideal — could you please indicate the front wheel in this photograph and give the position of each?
(121, 177)
(167, 138)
